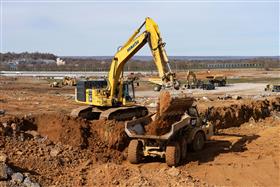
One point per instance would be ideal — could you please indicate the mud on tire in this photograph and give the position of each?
(135, 151)
(198, 141)
(173, 154)
(184, 148)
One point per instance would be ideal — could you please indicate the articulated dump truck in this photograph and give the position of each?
(168, 133)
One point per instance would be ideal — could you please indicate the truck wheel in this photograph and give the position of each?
(198, 141)
(184, 149)
(157, 88)
(173, 154)
(177, 85)
(135, 151)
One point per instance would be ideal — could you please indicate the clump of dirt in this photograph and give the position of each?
(237, 114)
(64, 129)
(106, 139)
(23, 122)
(112, 132)
(158, 127)
(164, 103)
(170, 109)
(172, 105)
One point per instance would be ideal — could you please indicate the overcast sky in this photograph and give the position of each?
(97, 29)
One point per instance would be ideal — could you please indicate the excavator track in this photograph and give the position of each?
(118, 113)
(85, 112)
(124, 113)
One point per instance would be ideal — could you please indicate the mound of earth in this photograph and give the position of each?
(105, 139)
(55, 145)
(64, 129)
(237, 114)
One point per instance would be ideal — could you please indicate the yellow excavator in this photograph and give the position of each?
(114, 98)
(191, 80)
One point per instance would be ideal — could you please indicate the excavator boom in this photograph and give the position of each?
(111, 98)
(152, 36)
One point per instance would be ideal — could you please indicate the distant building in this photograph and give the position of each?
(60, 62)
(13, 66)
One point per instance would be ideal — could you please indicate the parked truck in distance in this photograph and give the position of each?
(219, 80)
(272, 88)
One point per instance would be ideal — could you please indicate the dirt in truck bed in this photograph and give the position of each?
(170, 110)
(53, 149)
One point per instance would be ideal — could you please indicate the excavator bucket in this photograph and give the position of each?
(172, 105)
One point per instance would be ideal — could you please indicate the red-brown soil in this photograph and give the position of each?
(73, 152)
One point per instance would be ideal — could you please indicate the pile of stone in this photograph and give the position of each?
(9, 177)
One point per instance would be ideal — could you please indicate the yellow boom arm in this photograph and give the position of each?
(151, 36)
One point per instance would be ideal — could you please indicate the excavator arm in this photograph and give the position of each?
(111, 99)
(152, 36)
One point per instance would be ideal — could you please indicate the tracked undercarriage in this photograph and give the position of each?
(116, 113)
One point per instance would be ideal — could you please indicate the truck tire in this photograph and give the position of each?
(184, 149)
(135, 151)
(157, 88)
(176, 85)
(173, 154)
(198, 141)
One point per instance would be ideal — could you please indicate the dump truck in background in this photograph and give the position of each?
(194, 83)
(54, 84)
(272, 88)
(69, 81)
(219, 80)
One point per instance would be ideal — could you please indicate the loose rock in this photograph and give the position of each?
(17, 178)
(174, 172)
(3, 171)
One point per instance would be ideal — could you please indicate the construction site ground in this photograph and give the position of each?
(65, 151)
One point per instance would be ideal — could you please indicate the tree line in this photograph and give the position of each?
(8, 57)
(93, 64)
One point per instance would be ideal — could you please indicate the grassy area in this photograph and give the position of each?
(253, 80)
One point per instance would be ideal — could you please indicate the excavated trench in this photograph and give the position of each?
(237, 114)
(107, 139)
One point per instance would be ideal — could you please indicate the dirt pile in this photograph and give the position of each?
(11, 176)
(64, 129)
(170, 109)
(55, 145)
(158, 127)
(105, 139)
(112, 132)
(237, 114)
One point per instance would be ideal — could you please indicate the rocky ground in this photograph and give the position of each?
(40, 145)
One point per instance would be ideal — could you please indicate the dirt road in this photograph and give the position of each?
(242, 89)
(244, 156)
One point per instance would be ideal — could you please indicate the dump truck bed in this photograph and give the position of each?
(136, 128)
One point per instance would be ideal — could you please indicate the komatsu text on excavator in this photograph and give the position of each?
(113, 98)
